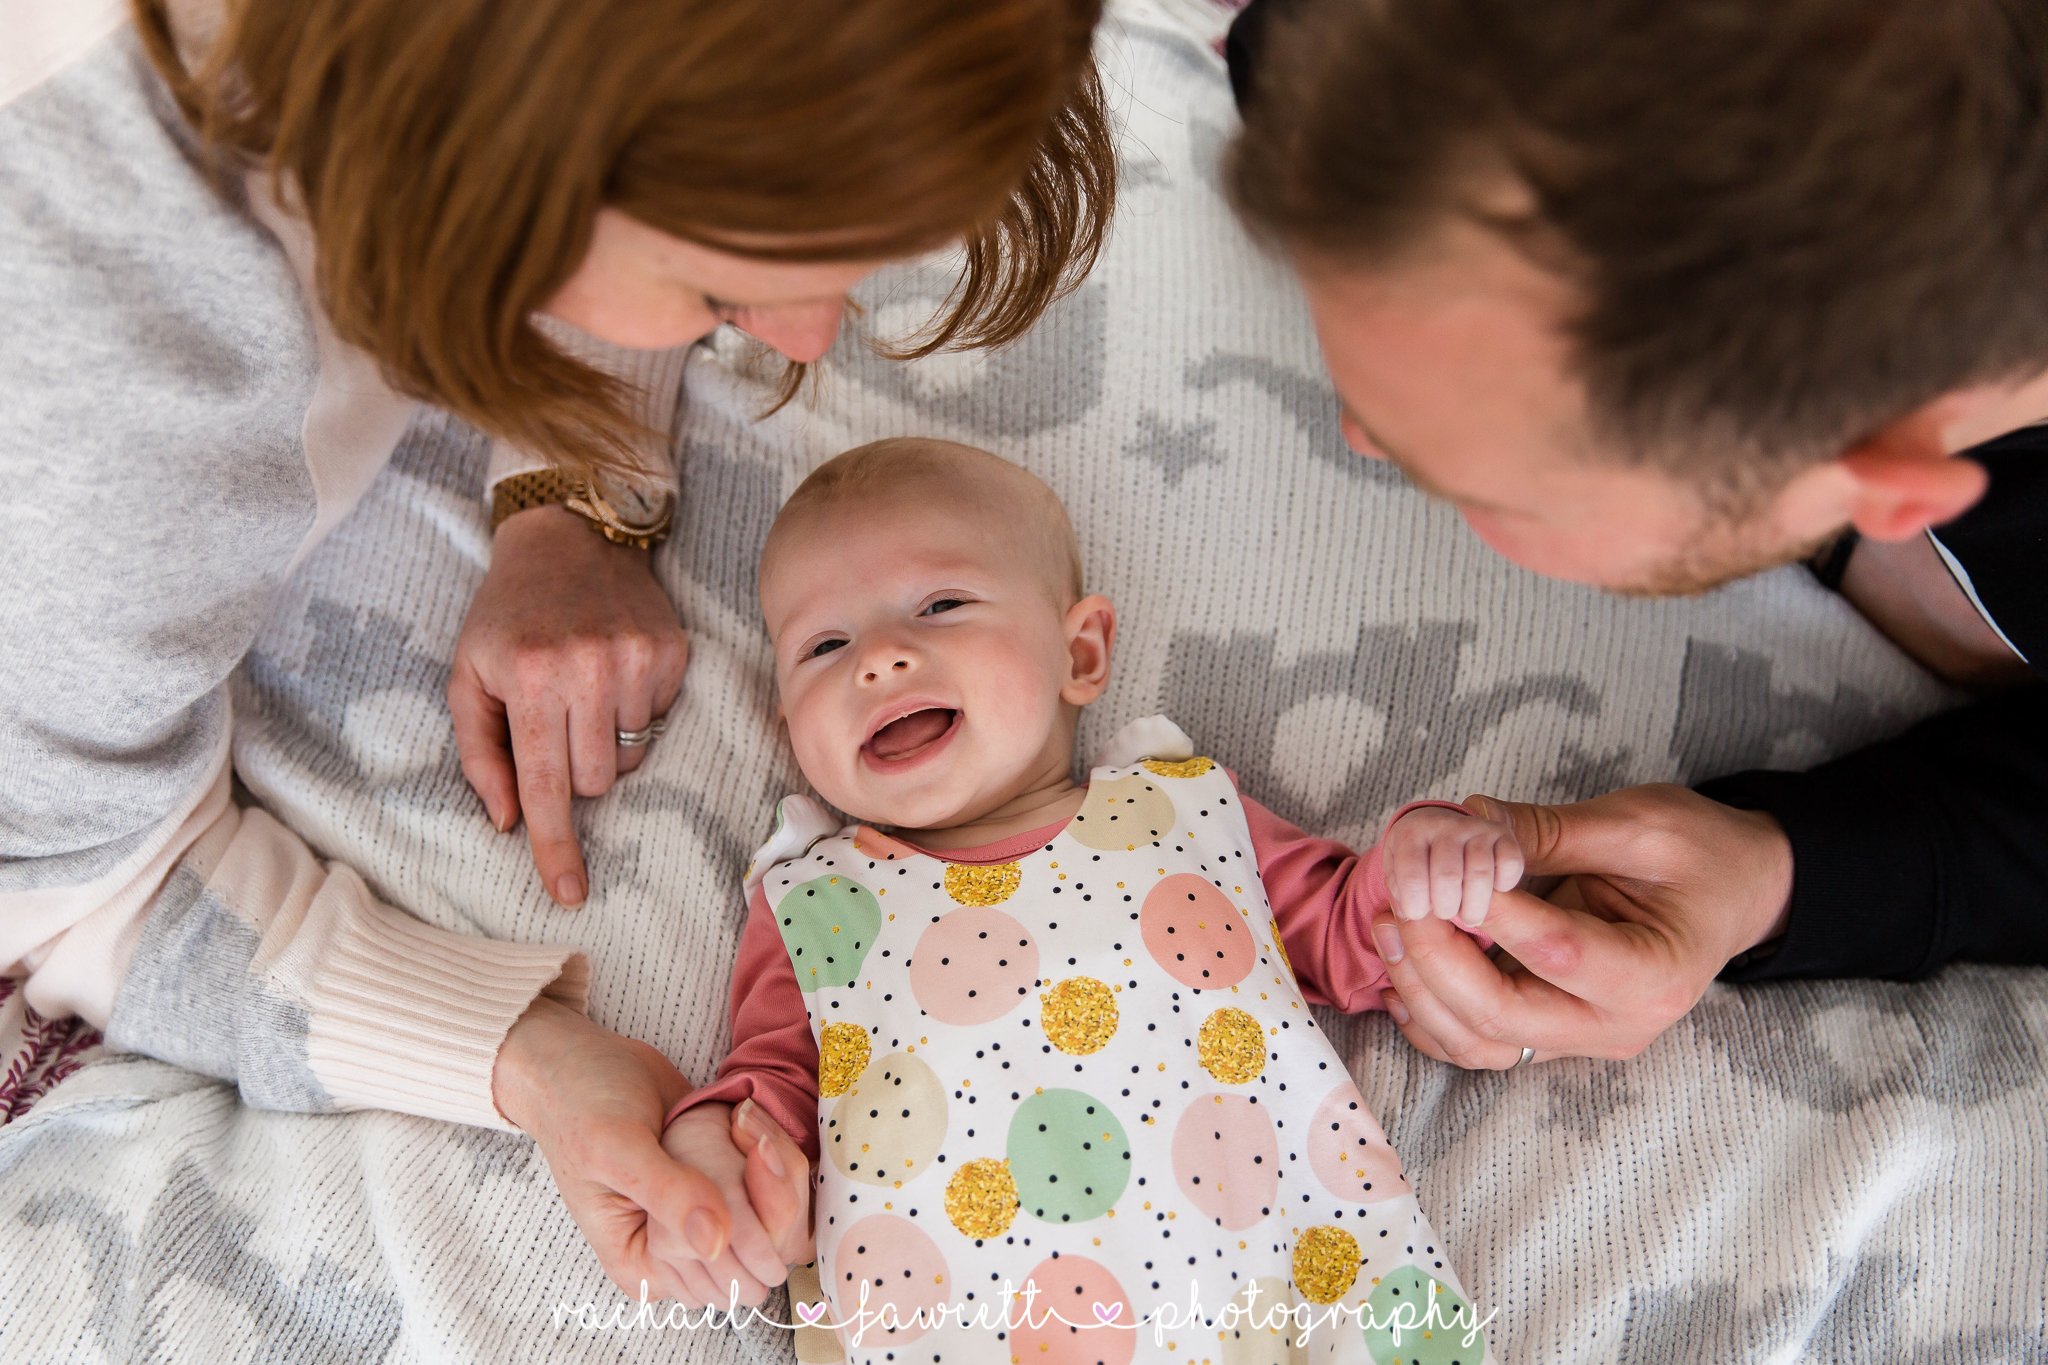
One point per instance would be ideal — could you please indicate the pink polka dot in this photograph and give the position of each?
(1349, 1153)
(903, 1273)
(975, 965)
(1226, 1158)
(1195, 933)
(1079, 1316)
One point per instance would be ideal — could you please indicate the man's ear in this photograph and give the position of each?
(1904, 480)
(1091, 632)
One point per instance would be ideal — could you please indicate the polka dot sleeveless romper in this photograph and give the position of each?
(1080, 1095)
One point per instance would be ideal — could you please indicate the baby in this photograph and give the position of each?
(1048, 1040)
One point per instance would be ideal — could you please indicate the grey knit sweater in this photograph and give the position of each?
(178, 429)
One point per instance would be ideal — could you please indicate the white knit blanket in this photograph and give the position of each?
(1828, 1171)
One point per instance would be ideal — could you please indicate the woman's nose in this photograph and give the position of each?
(803, 332)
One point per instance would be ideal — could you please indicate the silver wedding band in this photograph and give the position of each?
(633, 739)
(1523, 1060)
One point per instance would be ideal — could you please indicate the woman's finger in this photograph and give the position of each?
(731, 1284)
(540, 742)
(659, 679)
(666, 681)
(698, 1289)
(485, 746)
(593, 736)
(671, 1193)
(633, 715)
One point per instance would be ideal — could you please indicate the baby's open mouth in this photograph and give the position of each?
(901, 738)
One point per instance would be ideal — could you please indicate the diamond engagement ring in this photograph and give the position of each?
(633, 739)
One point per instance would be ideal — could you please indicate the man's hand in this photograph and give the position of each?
(568, 641)
(1661, 886)
(765, 1183)
(594, 1101)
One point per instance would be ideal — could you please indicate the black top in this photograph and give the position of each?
(1932, 846)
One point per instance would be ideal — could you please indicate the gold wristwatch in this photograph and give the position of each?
(622, 512)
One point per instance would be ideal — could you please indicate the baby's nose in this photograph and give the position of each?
(896, 667)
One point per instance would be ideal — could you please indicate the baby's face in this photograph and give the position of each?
(921, 658)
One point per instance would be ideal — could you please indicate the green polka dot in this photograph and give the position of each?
(828, 924)
(1069, 1156)
(1401, 1326)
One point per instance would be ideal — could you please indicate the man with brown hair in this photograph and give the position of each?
(1659, 295)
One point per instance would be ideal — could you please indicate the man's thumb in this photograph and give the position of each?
(1558, 841)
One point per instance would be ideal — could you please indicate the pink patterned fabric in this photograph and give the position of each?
(37, 1052)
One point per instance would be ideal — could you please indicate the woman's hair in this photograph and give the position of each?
(450, 157)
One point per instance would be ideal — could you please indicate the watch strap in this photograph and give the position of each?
(554, 488)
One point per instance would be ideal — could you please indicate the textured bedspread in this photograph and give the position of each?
(1824, 1171)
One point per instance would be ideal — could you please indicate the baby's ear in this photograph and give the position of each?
(1091, 634)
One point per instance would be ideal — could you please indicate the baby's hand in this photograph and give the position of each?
(718, 1140)
(1448, 863)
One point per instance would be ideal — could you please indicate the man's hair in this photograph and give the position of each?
(1789, 221)
(1005, 493)
(451, 157)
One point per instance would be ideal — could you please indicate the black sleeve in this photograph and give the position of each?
(1922, 850)
(1932, 847)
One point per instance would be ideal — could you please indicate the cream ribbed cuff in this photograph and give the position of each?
(408, 1017)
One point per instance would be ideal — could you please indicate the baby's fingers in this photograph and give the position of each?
(1407, 873)
(1447, 861)
(1478, 887)
(1508, 866)
(778, 1183)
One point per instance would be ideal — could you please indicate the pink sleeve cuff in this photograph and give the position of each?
(735, 1086)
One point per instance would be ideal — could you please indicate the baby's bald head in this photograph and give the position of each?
(1022, 517)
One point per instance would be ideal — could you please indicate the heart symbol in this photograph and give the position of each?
(811, 1312)
(1106, 1313)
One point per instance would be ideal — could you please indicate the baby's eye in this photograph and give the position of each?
(943, 604)
(823, 647)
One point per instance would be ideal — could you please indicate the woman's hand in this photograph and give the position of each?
(766, 1186)
(568, 641)
(1661, 886)
(595, 1102)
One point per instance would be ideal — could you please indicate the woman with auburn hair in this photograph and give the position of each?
(246, 242)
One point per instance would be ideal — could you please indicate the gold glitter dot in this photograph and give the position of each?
(1325, 1263)
(1078, 1015)
(992, 885)
(981, 1198)
(1232, 1046)
(842, 1056)
(1187, 767)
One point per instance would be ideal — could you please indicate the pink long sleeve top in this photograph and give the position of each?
(1323, 894)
